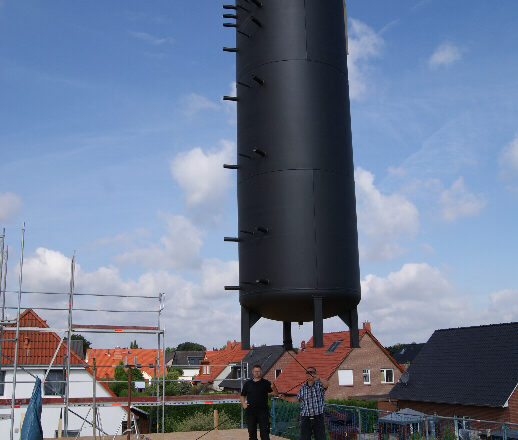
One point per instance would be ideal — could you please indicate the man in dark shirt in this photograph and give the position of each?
(256, 391)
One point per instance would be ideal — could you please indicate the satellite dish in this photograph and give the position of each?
(405, 378)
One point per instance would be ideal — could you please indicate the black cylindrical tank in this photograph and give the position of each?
(296, 199)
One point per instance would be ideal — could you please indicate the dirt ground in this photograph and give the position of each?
(225, 434)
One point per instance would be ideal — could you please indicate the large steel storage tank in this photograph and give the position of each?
(298, 244)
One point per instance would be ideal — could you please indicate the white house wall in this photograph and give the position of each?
(81, 385)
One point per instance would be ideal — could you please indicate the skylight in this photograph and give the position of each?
(333, 347)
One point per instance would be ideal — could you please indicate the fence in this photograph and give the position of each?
(354, 423)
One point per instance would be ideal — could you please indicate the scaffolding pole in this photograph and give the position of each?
(2, 291)
(15, 363)
(163, 360)
(69, 342)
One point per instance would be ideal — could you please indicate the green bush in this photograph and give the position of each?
(203, 421)
(175, 415)
(371, 404)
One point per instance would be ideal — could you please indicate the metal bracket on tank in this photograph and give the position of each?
(350, 318)
(248, 320)
(259, 152)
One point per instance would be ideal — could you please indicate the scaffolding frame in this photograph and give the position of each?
(69, 331)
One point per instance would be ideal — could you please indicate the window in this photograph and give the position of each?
(367, 377)
(387, 375)
(55, 383)
(277, 373)
(206, 369)
(345, 377)
(194, 360)
(2, 384)
(333, 346)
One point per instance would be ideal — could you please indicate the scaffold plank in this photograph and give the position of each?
(58, 402)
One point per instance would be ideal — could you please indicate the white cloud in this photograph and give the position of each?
(10, 206)
(194, 103)
(204, 181)
(503, 306)
(444, 55)
(152, 39)
(410, 303)
(364, 44)
(456, 202)
(216, 274)
(179, 248)
(508, 159)
(385, 220)
(200, 311)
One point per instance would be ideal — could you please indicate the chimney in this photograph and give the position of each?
(229, 345)
(303, 345)
(367, 326)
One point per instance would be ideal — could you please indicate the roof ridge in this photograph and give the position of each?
(512, 323)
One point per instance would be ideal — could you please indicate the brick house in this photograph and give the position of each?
(469, 371)
(365, 372)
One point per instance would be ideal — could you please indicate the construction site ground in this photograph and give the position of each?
(224, 434)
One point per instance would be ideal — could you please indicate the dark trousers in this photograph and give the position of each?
(261, 417)
(312, 425)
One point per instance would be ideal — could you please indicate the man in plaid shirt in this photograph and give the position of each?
(311, 397)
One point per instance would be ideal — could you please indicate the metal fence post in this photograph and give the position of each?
(504, 432)
(456, 426)
(426, 428)
(241, 385)
(273, 415)
(359, 423)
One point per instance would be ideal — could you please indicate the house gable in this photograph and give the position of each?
(371, 356)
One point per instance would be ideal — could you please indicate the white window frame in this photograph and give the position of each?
(366, 373)
(345, 378)
(206, 369)
(278, 372)
(384, 375)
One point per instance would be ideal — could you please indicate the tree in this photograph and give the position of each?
(190, 346)
(120, 375)
(393, 349)
(133, 344)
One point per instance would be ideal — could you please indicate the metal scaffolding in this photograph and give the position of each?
(14, 324)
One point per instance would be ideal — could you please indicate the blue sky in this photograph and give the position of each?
(113, 132)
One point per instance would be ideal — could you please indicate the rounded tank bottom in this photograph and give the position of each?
(297, 305)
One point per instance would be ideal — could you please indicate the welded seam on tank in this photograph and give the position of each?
(315, 231)
(294, 169)
(306, 28)
(255, 67)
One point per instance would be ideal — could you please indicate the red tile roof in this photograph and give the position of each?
(232, 353)
(108, 358)
(293, 375)
(38, 348)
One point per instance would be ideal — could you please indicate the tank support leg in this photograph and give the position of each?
(318, 322)
(248, 319)
(286, 333)
(350, 317)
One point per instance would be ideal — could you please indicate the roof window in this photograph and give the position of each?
(333, 347)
